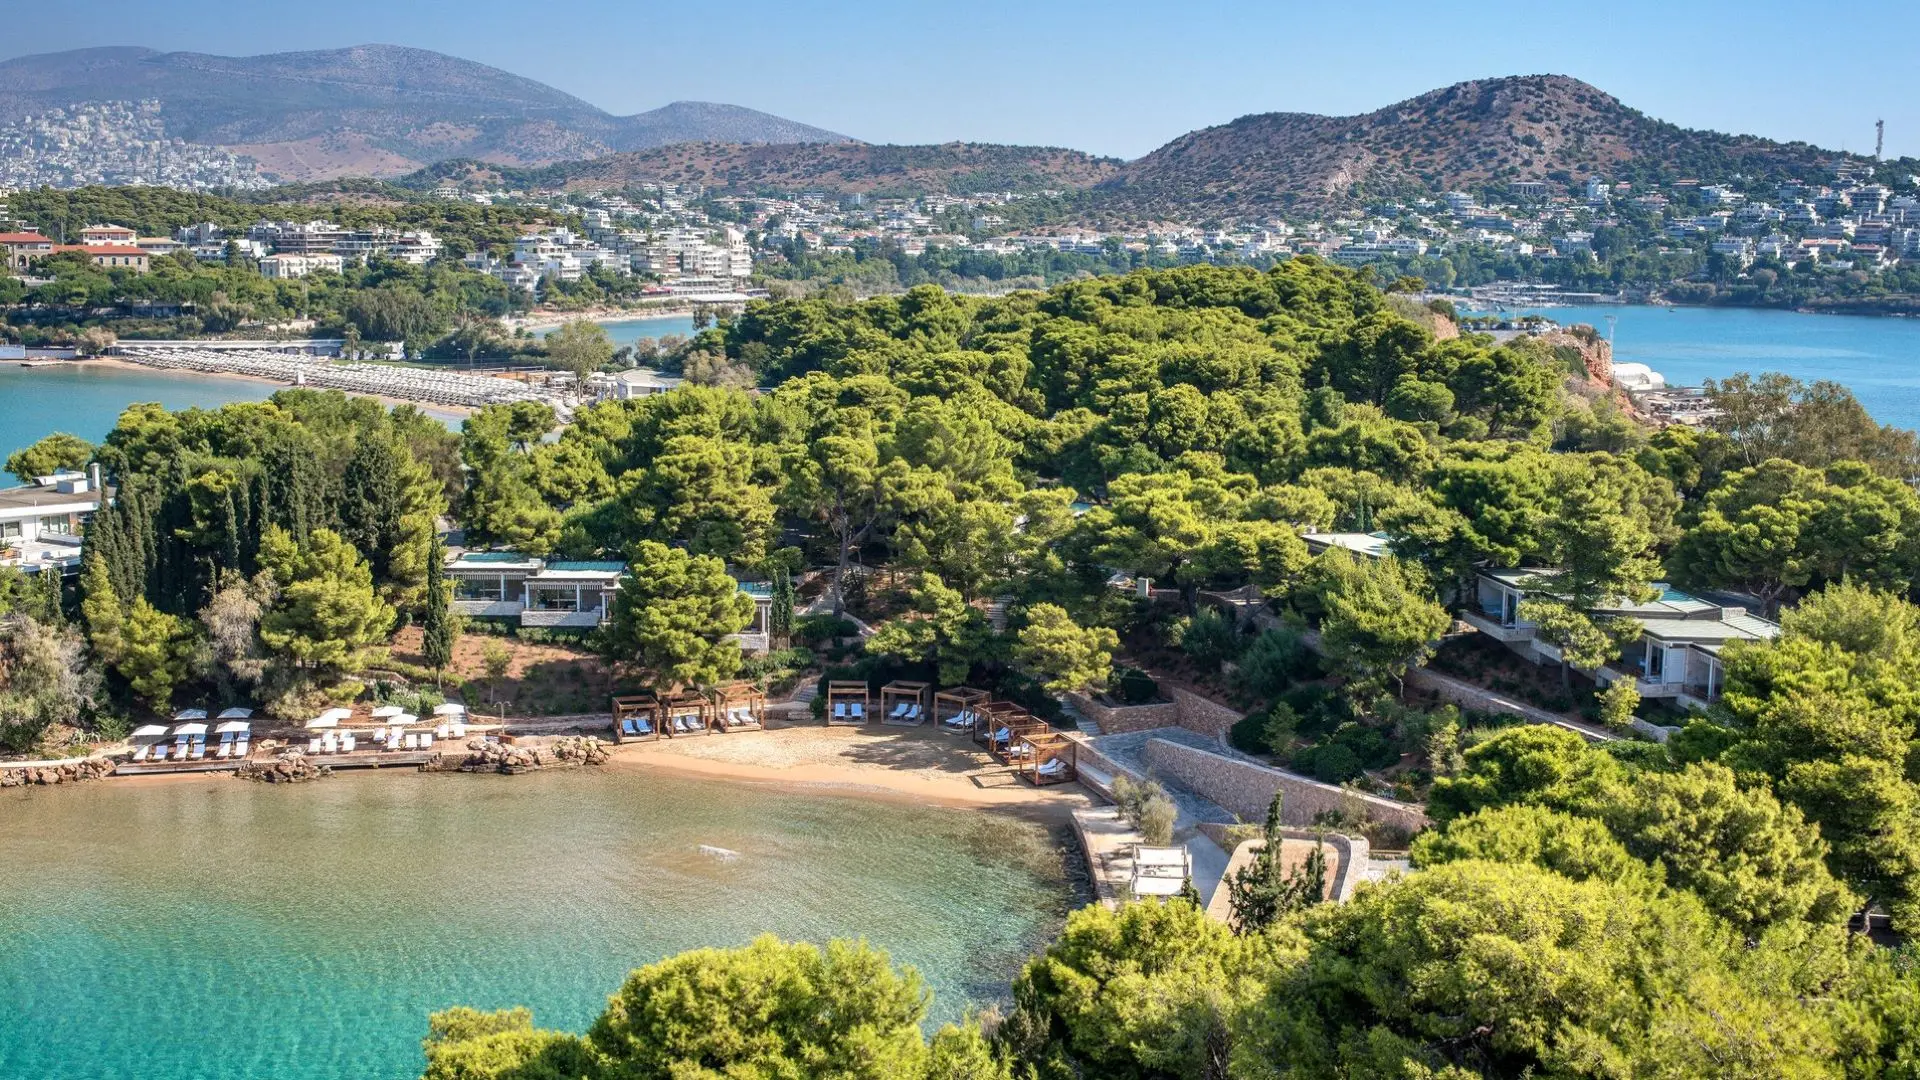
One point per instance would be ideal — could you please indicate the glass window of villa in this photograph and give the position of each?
(59, 523)
(9, 530)
(477, 589)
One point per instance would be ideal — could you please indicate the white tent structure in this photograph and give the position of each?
(235, 713)
(195, 728)
(451, 708)
(190, 714)
(149, 731)
(232, 727)
(324, 720)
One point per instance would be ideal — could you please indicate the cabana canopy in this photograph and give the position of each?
(190, 714)
(385, 711)
(450, 708)
(405, 718)
(232, 726)
(324, 720)
(148, 731)
(337, 713)
(235, 713)
(195, 728)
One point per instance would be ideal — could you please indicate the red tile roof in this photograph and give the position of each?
(23, 238)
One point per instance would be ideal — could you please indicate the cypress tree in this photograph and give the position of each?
(438, 628)
(370, 503)
(230, 526)
(780, 614)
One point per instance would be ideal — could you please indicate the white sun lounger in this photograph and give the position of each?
(459, 730)
(198, 749)
(240, 747)
(140, 752)
(426, 740)
(840, 711)
(899, 711)
(1052, 767)
(857, 710)
(348, 742)
(313, 745)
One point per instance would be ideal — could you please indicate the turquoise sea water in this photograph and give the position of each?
(86, 400)
(1877, 358)
(628, 331)
(216, 929)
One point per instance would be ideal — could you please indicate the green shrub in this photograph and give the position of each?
(1369, 745)
(1334, 763)
(1135, 687)
(1209, 639)
(812, 630)
(1273, 662)
(1249, 734)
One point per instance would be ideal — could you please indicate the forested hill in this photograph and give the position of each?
(370, 110)
(1489, 131)
(956, 168)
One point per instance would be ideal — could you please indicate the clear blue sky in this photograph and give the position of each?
(1116, 77)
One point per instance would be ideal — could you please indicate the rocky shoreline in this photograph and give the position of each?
(66, 772)
(512, 760)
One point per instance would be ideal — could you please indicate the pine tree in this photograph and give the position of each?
(439, 630)
(1263, 892)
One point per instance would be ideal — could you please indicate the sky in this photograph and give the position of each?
(1118, 77)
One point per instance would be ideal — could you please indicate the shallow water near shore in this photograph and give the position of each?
(217, 929)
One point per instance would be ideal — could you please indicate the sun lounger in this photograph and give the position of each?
(899, 711)
(1052, 767)
(426, 740)
(840, 711)
(140, 752)
(641, 727)
(223, 749)
(857, 711)
(348, 742)
(198, 749)
(626, 727)
(459, 730)
(913, 713)
(240, 747)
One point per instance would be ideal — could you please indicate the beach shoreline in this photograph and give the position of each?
(443, 412)
(537, 320)
(904, 766)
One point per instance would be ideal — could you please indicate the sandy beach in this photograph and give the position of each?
(445, 412)
(914, 764)
(550, 320)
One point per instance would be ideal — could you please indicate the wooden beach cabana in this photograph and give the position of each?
(1013, 733)
(1052, 761)
(953, 709)
(848, 702)
(739, 706)
(988, 715)
(685, 713)
(904, 703)
(636, 716)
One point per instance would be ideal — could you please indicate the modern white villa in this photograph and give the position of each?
(536, 591)
(41, 522)
(1677, 657)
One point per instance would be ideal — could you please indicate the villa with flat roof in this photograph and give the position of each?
(1677, 657)
(533, 591)
(41, 522)
(575, 593)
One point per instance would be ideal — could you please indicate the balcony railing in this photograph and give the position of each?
(1495, 629)
(500, 609)
(540, 617)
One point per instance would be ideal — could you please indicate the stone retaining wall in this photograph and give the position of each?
(1198, 714)
(1120, 719)
(1245, 788)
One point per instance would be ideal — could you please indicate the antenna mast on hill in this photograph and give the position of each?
(1879, 137)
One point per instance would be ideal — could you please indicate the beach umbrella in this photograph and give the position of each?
(451, 708)
(385, 711)
(336, 714)
(148, 731)
(195, 728)
(190, 714)
(235, 714)
(404, 719)
(232, 726)
(324, 720)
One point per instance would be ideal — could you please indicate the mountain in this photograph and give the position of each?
(952, 168)
(368, 110)
(1472, 134)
